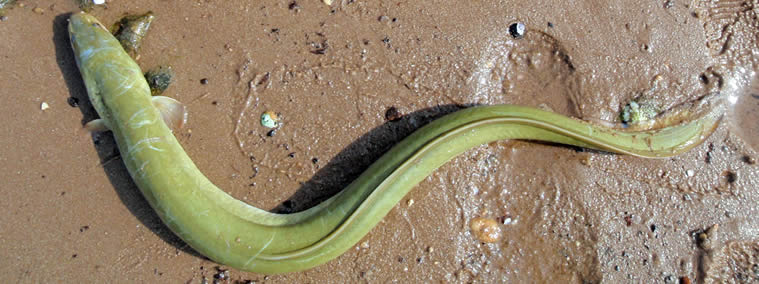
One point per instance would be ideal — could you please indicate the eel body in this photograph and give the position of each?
(236, 234)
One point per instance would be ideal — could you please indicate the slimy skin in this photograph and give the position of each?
(236, 234)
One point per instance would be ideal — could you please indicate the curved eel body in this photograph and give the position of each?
(236, 234)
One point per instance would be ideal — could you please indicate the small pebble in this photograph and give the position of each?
(690, 173)
(731, 177)
(328, 2)
(159, 79)
(269, 119)
(748, 160)
(628, 220)
(486, 230)
(703, 241)
(392, 114)
(586, 160)
(517, 29)
(3, 18)
(223, 274)
(44, 106)
(73, 102)
(410, 202)
(38, 10)
(98, 2)
(204, 81)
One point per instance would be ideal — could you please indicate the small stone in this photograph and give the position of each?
(159, 79)
(392, 114)
(3, 18)
(517, 29)
(703, 241)
(269, 119)
(222, 274)
(486, 230)
(44, 106)
(628, 220)
(638, 110)
(730, 176)
(328, 2)
(690, 173)
(272, 132)
(98, 2)
(73, 102)
(293, 6)
(748, 160)
(365, 245)
(204, 81)
(410, 202)
(38, 10)
(131, 30)
(586, 160)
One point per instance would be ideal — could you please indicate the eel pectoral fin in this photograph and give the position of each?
(173, 112)
(96, 125)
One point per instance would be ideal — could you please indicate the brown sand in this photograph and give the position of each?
(72, 214)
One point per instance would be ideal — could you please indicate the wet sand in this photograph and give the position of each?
(72, 213)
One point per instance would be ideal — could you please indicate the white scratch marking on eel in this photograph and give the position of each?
(261, 250)
(148, 142)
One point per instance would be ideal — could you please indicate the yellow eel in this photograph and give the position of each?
(233, 233)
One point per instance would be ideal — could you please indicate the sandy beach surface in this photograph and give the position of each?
(352, 78)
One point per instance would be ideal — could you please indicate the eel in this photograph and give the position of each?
(236, 234)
